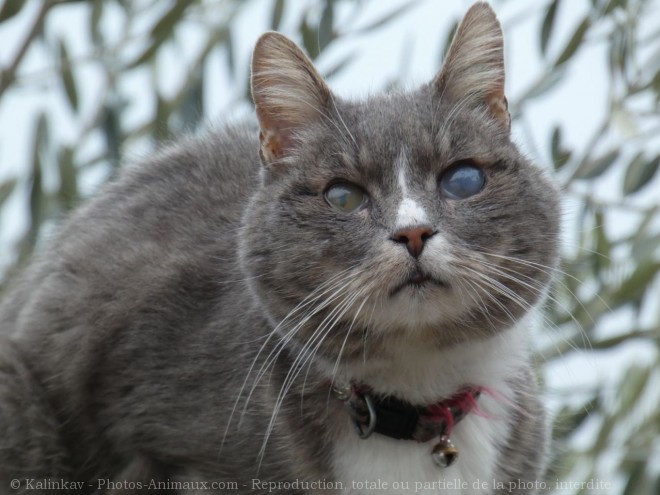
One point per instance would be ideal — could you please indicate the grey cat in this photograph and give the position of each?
(340, 306)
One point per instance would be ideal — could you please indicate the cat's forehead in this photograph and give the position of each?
(386, 123)
(410, 129)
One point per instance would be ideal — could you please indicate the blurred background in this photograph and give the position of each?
(87, 86)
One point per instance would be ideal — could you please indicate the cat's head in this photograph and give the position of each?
(404, 214)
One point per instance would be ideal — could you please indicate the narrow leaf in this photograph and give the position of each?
(634, 287)
(633, 383)
(227, 38)
(192, 107)
(560, 156)
(6, 189)
(548, 24)
(448, 40)
(590, 169)
(145, 56)
(68, 193)
(112, 131)
(163, 111)
(161, 32)
(639, 173)
(95, 14)
(326, 33)
(575, 42)
(276, 18)
(646, 247)
(601, 255)
(10, 8)
(638, 482)
(67, 76)
(310, 39)
(165, 26)
(613, 4)
(38, 198)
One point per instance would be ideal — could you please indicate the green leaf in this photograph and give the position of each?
(601, 255)
(548, 24)
(638, 482)
(612, 4)
(192, 107)
(632, 387)
(6, 189)
(276, 17)
(560, 156)
(326, 32)
(570, 418)
(10, 8)
(112, 131)
(165, 26)
(639, 173)
(67, 76)
(68, 193)
(163, 111)
(161, 32)
(229, 46)
(633, 288)
(95, 14)
(646, 247)
(145, 56)
(310, 39)
(450, 37)
(590, 169)
(38, 198)
(575, 42)
(619, 50)
(41, 137)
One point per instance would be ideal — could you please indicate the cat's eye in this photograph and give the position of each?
(462, 180)
(346, 197)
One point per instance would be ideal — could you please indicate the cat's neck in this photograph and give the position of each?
(422, 374)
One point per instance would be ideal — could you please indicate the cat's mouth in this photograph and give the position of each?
(419, 281)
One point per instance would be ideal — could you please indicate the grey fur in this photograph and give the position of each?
(127, 344)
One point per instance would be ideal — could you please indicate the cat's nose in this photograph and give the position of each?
(414, 238)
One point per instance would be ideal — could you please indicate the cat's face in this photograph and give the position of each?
(407, 214)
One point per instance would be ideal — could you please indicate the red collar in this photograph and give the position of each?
(402, 420)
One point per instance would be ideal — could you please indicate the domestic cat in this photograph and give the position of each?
(341, 304)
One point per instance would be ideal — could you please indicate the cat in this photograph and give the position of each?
(341, 305)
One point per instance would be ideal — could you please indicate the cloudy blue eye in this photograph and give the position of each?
(462, 180)
(345, 197)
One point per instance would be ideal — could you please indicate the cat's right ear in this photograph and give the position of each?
(473, 71)
(288, 94)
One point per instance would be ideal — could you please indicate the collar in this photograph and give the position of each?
(401, 420)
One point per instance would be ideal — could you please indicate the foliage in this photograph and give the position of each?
(610, 270)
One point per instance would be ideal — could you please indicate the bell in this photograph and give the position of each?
(444, 454)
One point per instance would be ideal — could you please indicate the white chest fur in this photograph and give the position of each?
(384, 465)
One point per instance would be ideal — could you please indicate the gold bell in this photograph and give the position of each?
(444, 454)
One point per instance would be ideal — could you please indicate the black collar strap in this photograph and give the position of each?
(402, 420)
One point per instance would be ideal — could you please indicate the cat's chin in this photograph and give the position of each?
(419, 286)
(419, 304)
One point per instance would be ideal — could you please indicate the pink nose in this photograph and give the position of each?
(414, 239)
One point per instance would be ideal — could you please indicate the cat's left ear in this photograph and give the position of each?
(473, 71)
(288, 94)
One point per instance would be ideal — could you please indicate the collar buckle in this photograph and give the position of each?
(401, 420)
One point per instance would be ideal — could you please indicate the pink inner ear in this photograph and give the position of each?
(499, 107)
(276, 140)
